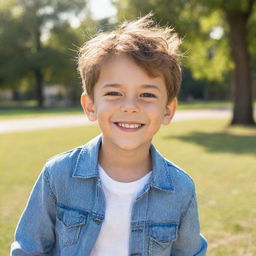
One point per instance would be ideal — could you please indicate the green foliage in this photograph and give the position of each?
(23, 23)
(13, 61)
(65, 41)
(35, 35)
(207, 58)
(252, 38)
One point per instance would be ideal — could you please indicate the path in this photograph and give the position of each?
(39, 123)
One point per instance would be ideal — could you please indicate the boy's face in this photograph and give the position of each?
(130, 106)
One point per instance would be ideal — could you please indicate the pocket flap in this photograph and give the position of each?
(71, 217)
(164, 232)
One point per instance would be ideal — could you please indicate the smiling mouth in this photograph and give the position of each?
(129, 125)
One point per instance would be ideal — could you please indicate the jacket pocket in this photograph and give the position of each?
(69, 224)
(161, 238)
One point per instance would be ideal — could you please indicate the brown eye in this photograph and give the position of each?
(113, 94)
(148, 95)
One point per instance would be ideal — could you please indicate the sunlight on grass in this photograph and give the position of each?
(20, 113)
(221, 161)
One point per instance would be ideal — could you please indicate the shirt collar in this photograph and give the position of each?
(87, 165)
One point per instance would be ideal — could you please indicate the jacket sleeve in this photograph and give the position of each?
(190, 242)
(35, 231)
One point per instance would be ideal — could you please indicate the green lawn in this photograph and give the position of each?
(27, 112)
(221, 161)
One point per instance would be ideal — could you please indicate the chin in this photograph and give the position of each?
(128, 145)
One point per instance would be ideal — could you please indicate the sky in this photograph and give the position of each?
(101, 9)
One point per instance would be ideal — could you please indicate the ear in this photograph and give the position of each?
(169, 111)
(88, 107)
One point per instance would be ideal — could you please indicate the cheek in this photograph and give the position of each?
(104, 113)
(102, 108)
(155, 111)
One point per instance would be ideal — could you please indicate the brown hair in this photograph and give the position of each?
(152, 47)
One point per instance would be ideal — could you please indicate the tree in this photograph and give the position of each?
(237, 16)
(213, 61)
(35, 15)
(62, 62)
(13, 61)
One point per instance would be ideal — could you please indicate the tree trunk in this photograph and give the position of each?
(38, 71)
(39, 88)
(243, 100)
(15, 94)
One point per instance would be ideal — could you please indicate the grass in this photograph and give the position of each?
(204, 105)
(221, 161)
(15, 112)
(29, 112)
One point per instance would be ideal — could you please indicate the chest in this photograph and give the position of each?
(81, 213)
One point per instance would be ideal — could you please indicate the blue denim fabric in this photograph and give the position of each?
(66, 209)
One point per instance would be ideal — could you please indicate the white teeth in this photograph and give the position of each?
(130, 126)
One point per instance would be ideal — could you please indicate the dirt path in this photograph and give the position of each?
(39, 123)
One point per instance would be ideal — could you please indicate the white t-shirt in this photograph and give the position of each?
(114, 234)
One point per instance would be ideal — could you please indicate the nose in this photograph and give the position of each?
(129, 106)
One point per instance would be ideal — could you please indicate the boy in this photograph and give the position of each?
(117, 195)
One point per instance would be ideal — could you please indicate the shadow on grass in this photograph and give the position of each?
(221, 142)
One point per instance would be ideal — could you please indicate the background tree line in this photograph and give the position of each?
(38, 46)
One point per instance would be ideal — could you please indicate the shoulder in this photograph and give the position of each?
(81, 161)
(64, 160)
(170, 176)
(181, 180)
(183, 185)
(77, 161)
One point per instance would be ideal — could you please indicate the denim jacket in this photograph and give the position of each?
(66, 209)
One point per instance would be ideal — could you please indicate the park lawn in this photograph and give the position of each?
(221, 161)
(29, 112)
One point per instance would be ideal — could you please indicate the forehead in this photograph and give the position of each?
(123, 70)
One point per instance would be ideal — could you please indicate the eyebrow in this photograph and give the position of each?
(150, 86)
(111, 85)
(146, 86)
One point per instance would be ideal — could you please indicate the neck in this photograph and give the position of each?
(125, 165)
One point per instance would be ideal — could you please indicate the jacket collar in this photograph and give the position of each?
(87, 165)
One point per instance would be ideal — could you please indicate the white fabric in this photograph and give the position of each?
(114, 234)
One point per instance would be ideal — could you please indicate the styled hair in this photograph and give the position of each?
(152, 47)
